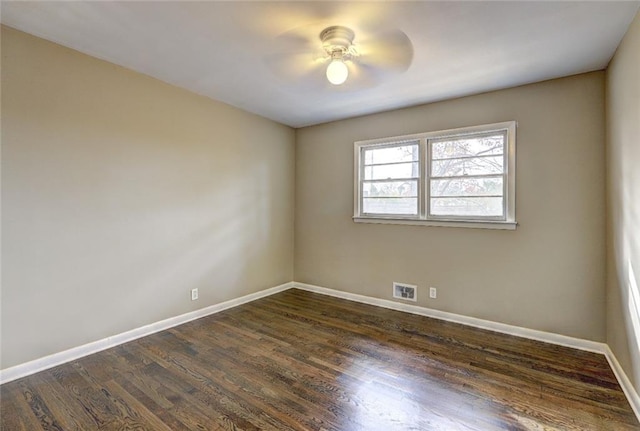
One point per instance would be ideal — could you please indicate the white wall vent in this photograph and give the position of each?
(405, 291)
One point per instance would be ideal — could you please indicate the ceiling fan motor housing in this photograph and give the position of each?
(337, 39)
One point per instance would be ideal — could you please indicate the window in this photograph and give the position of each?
(460, 177)
(391, 179)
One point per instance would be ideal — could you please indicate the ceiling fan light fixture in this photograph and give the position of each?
(338, 43)
(337, 71)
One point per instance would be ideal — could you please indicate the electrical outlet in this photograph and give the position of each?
(194, 294)
(433, 293)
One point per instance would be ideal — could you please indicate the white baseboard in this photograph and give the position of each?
(50, 361)
(623, 380)
(547, 337)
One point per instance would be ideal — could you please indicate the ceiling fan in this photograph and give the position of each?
(351, 61)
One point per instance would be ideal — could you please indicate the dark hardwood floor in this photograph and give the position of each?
(303, 361)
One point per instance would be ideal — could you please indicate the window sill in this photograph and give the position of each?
(503, 225)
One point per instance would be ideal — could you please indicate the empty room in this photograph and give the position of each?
(327, 216)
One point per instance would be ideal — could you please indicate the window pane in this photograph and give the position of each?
(390, 189)
(400, 153)
(400, 170)
(467, 207)
(468, 146)
(467, 187)
(472, 166)
(401, 206)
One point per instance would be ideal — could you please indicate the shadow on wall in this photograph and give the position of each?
(220, 247)
(140, 263)
(633, 302)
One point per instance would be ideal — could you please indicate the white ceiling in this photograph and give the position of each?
(219, 49)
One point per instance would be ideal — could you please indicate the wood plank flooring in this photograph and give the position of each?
(303, 361)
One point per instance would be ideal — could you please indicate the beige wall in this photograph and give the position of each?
(547, 275)
(121, 193)
(623, 203)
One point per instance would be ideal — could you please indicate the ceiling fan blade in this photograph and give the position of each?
(389, 51)
(361, 77)
(293, 65)
(295, 40)
(296, 57)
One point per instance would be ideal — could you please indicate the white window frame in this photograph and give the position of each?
(507, 221)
